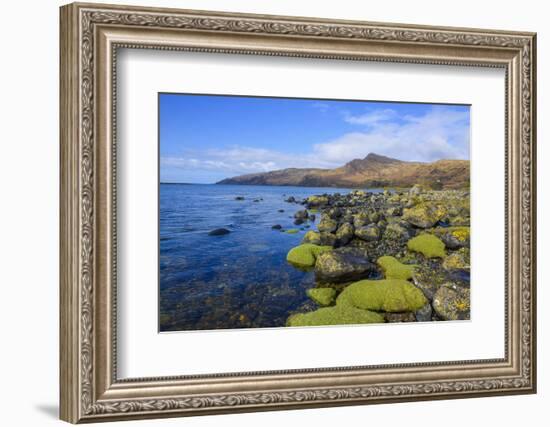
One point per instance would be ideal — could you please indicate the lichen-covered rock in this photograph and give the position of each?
(369, 233)
(459, 260)
(322, 296)
(317, 200)
(312, 237)
(394, 211)
(301, 214)
(428, 245)
(452, 302)
(429, 278)
(383, 295)
(454, 237)
(408, 316)
(344, 234)
(424, 215)
(361, 219)
(306, 254)
(343, 265)
(327, 239)
(393, 269)
(424, 314)
(395, 231)
(327, 224)
(416, 190)
(336, 315)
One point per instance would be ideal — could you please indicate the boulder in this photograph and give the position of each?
(317, 201)
(424, 215)
(424, 314)
(452, 302)
(343, 265)
(327, 224)
(459, 260)
(454, 237)
(344, 234)
(369, 233)
(397, 232)
(276, 227)
(313, 237)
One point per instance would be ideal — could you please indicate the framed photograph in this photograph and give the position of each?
(266, 212)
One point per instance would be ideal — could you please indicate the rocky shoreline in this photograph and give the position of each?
(394, 256)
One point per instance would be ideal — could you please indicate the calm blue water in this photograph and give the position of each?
(239, 280)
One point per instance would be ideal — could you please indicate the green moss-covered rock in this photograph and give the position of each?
(337, 315)
(305, 255)
(424, 215)
(292, 231)
(428, 245)
(322, 296)
(312, 237)
(393, 269)
(382, 295)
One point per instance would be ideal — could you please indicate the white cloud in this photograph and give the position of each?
(371, 118)
(439, 134)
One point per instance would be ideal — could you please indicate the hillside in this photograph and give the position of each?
(372, 171)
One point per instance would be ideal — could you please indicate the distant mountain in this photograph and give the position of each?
(372, 171)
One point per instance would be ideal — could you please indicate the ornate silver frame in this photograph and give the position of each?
(90, 36)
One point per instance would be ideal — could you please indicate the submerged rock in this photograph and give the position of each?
(239, 198)
(219, 232)
(302, 214)
(276, 227)
(343, 265)
(452, 302)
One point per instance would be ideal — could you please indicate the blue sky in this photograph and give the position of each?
(205, 138)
